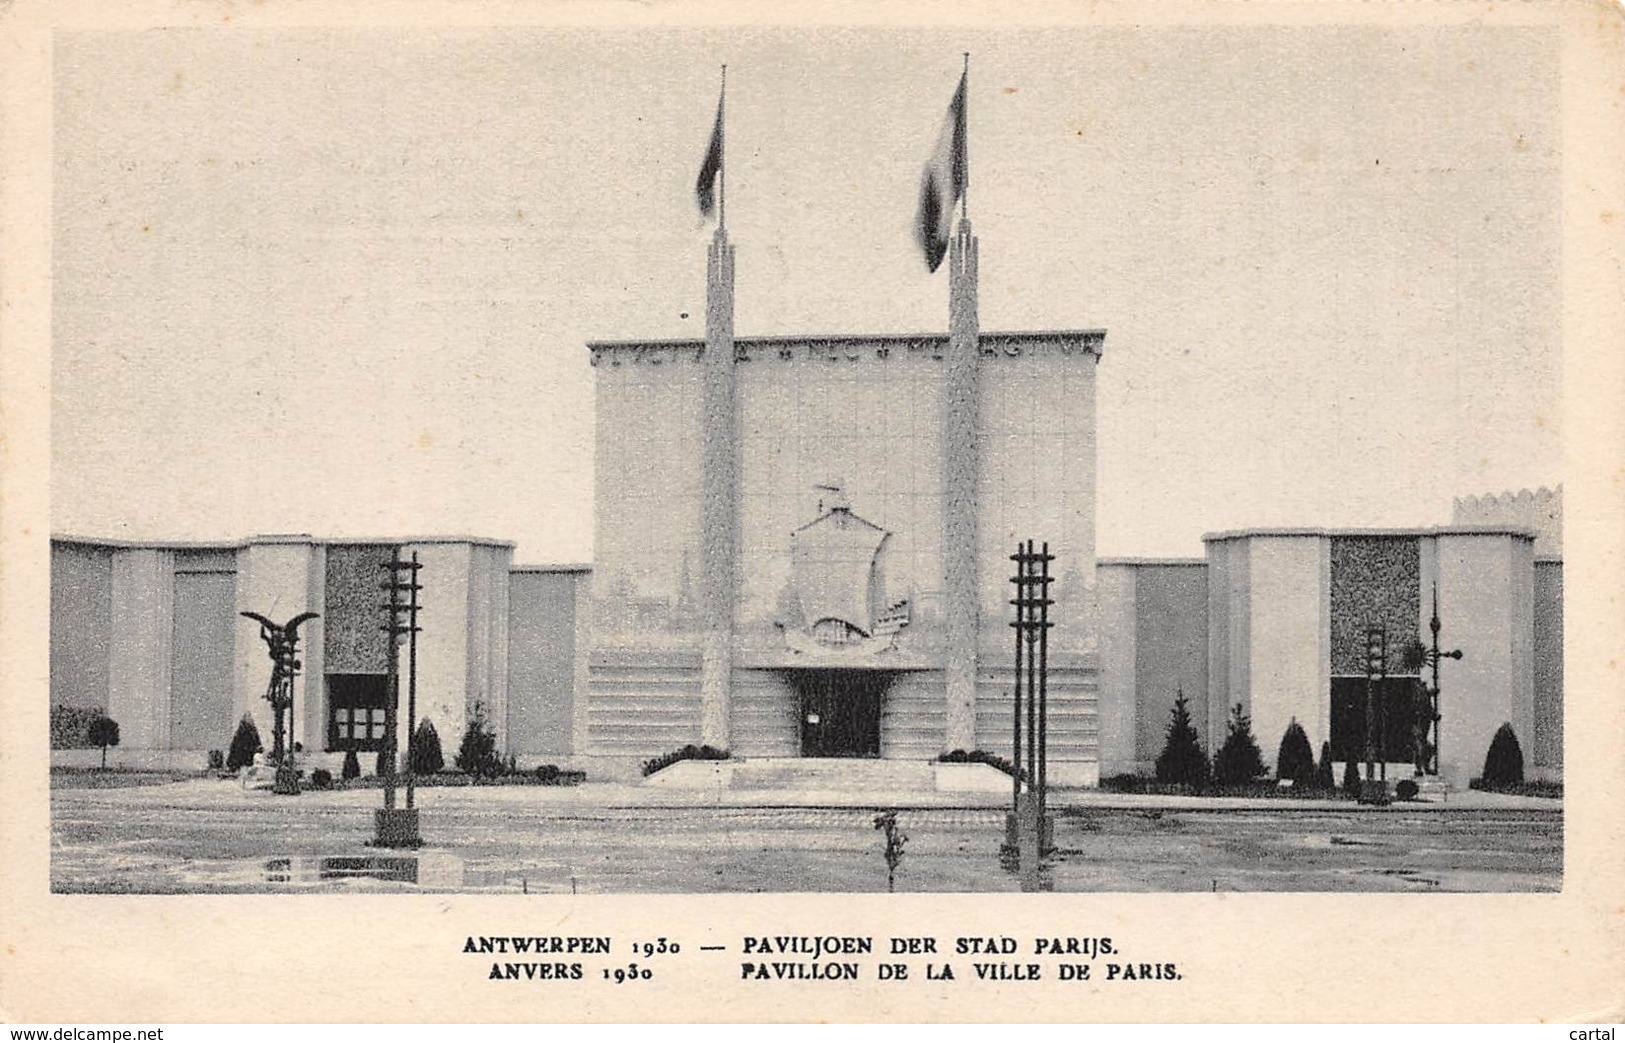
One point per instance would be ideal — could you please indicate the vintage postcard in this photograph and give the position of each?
(732, 512)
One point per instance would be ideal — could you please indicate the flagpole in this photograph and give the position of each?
(964, 198)
(722, 166)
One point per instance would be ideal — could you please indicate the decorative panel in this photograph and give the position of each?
(354, 642)
(1376, 581)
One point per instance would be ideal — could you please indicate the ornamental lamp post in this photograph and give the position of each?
(1431, 657)
(1375, 789)
(394, 826)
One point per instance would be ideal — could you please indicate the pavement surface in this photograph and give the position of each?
(207, 835)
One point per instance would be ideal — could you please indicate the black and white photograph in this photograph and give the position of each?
(546, 459)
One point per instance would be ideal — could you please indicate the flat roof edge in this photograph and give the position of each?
(273, 539)
(1159, 562)
(1517, 531)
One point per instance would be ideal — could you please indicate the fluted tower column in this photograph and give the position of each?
(719, 505)
(960, 471)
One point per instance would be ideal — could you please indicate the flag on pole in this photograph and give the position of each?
(943, 182)
(705, 188)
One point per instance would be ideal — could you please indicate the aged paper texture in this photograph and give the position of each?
(295, 282)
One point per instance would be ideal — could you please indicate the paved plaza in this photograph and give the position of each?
(207, 835)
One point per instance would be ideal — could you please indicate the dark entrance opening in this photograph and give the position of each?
(355, 718)
(1394, 703)
(840, 711)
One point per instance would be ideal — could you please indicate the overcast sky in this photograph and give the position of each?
(340, 282)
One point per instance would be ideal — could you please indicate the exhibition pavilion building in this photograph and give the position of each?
(802, 550)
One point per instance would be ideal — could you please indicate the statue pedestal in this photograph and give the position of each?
(1028, 837)
(287, 780)
(396, 827)
(1375, 791)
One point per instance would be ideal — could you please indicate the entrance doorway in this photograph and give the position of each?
(840, 711)
(1397, 725)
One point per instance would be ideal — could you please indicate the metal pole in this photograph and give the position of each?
(1370, 746)
(1433, 696)
(1434, 656)
(1043, 687)
(1032, 687)
(293, 677)
(412, 688)
(722, 167)
(1382, 709)
(1015, 728)
(392, 683)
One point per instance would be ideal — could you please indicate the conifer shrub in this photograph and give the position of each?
(1182, 760)
(1324, 777)
(1295, 759)
(478, 756)
(103, 732)
(1238, 761)
(244, 744)
(352, 766)
(1351, 776)
(1503, 764)
(383, 763)
(217, 760)
(426, 754)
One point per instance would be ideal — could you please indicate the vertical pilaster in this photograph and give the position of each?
(139, 658)
(719, 509)
(959, 479)
(310, 695)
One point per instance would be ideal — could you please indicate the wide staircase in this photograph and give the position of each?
(834, 775)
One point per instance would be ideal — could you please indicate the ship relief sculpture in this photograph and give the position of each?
(836, 581)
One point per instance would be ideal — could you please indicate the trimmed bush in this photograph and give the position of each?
(321, 778)
(244, 744)
(1351, 776)
(70, 727)
(478, 756)
(382, 764)
(217, 760)
(1182, 760)
(103, 732)
(1324, 777)
(1503, 764)
(547, 773)
(992, 760)
(352, 766)
(426, 756)
(1294, 759)
(1406, 789)
(690, 752)
(1238, 761)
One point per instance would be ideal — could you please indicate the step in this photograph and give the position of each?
(1431, 786)
(833, 774)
